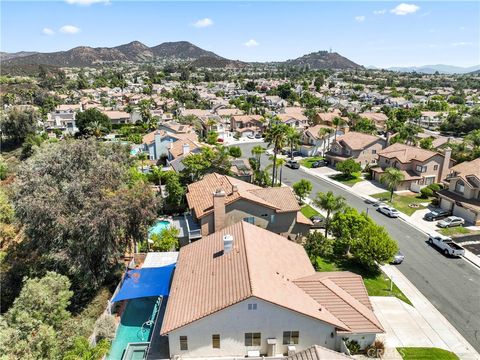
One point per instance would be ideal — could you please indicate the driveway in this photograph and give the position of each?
(368, 188)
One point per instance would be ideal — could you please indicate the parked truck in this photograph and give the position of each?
(446, 245)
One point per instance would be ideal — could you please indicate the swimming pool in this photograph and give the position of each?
(158, 227)
(135, 326)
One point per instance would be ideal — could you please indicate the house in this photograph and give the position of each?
(63, 118)
(363, 148)
(297, 121)
(176, 128)
(462, 194)
(244, 291)
(118, 117)
(217, 201)
(242, 170)
(246, 125)
(420, 167)
(157, 142)
(326, 118)
(430, 119)
(312, 143)
(379, 119)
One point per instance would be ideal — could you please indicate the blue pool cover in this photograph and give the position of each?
(145, 282)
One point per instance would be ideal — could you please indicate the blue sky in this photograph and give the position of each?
(370, 33)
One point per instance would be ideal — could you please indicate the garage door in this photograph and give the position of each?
(464, 213)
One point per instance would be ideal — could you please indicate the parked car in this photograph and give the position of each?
(379, 203)
(437, 215)
(251, 136)
(319, 163)
(293, 164)
(295, 153)
(316, 219)
(389, 211)
(398, 258)
(258, 136)
(451, 221)
(447, 245)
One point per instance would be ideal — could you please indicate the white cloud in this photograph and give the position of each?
(202, 23)
(48, 31)
(251, 43)
(379, 12)
(462, 43)
(87, 2)
(69, 29)
(405, 9)
(360, 18)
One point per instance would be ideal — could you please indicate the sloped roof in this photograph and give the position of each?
(468, 168)
(206, 280)
(405, 153)
(200, 194)
(356, 140)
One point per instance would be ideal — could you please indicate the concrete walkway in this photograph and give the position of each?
(422, 325)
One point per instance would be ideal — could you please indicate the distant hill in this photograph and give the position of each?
(432, 69)
(6, 56)
(324, 60)
(215, 62)
(181, 50)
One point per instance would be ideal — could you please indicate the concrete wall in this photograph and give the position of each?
(232, 324)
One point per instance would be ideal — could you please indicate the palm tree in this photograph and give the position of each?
(392, 177)
(96, 129)
(275, 135)
(324, 133)
(293, 138)
(337, 121)
(142, 156)
(257, 151)
(330, 203)
(82, 350)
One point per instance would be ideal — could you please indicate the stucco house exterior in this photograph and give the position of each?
(462, 194)
(246, 125)
(158, 142)
(63, 118)
(218, 201)
(420, 167)
(245, 291)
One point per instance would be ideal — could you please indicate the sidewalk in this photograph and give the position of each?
(432, 323)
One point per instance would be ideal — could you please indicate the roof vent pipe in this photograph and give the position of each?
(227, 243)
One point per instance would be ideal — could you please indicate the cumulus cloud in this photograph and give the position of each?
(87, 2)
(360, 18)
(251, 43)
(202, 23)
(48, 31)
(405, 9)
(379, 12)
(69, 29)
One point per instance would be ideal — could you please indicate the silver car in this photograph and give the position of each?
(398, 258)
(451, 221)
(389, 211)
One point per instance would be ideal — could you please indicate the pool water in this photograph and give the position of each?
(158, 227)
(132, 327)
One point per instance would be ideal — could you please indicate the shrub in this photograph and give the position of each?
(3, 170)
(376, 350)
(435, 187)
(353, 346)
(426, 192)
(105, 327)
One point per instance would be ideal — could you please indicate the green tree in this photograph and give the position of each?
(3, 169)
(302, 189)
(17, 124)
(317, 244)
(365, 126)
(346, 226)
(426, 143)
(175, 191)
(166, 240)
(330, 203)
(292, 138)
(348, 167)
(235, 151)
(83, 350)
(212, 137)
(337, 122)
(392, 178)
(275, 135)
(91, 119)
(258, 151)
(97, 129)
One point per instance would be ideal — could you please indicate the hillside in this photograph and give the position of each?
(215, 62)
(324, 60)
(181, 50)
(432, 69)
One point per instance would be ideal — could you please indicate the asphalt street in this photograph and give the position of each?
(452, 285)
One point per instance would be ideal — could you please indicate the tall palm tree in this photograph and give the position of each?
(257, 151)
(293, 139)
(96, 129)
(275, 135)
(324, 133)
(279, 167)
(330, 203)
(392, 177)
(337, 121)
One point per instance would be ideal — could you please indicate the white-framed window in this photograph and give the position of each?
(290, 337)
(252, 306)
(253, 339)
(183, 343)
(374, 151)
(460, 187)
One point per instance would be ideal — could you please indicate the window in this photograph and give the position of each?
(183, 343)
(216, 341)
(272, 218)
(374, 151)
(252, 339)
(290, 337)
(250, 220)
(460, 186)
(252, 306)
(421, 168)
(435, 167)
(387, 161)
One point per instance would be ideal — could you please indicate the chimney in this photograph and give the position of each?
(227, 243)
(235, 188)
(219, 209)
(446, 164)
(186, 149)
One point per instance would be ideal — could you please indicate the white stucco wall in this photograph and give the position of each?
(233, 322)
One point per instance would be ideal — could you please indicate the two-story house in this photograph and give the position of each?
(246, 125)
(363, 148)
(462, 194)
(158, 142)
(63, 118)
(378, 118)
(430, 119)
(420, 167)
(217, 201)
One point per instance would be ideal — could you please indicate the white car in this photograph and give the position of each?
(389, 211)
(450, 222)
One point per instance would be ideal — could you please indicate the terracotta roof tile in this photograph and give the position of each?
(405, 153)
(356, 140)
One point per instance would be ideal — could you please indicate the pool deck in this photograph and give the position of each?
(159, 348)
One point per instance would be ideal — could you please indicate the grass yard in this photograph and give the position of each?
(308, 211)
(401, 202)
(457, 230)
(377, 284)
(348, 180)
(411, 353)
(309, 161)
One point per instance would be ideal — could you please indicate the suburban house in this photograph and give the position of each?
(217, 201)
(157, 142)
(363, 148)
(242, 170)
(178, 150)
(312, 143)
(297, 121)
(378, 118)
(246, 125)
(420, 167)
(118, 117)
(430, 119)
(462, 194)
(63, 118)
(326, 118)
(245, 291)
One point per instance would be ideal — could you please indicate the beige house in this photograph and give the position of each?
(217, 201)
(363, 148)
(380, 119)
(246, 125)
(462, 195)
(245, 291)
(326, 118)
(420, 167)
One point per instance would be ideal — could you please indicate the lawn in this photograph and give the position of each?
(308, 211)
(411, 353)
(309, 161)
(402, 202)
(377, 284)
(457, 230)
(348, 180)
